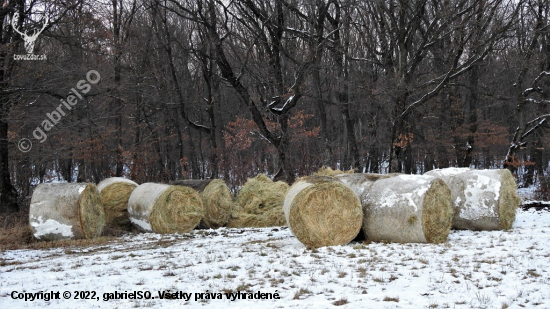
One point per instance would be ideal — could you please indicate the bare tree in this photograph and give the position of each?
(538, 93)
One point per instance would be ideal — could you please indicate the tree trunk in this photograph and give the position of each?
(8, 194)
(117, 102)
(472, 99)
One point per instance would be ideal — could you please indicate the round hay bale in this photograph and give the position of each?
(483, 199)
(66, 211)
(327, 171)
(259, 203)
(408, 208)
(321, 211)
(164, 208)
(216, 199)
(115, 192)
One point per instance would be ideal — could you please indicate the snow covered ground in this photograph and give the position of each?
(472, 270)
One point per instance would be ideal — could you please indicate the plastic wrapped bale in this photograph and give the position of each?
(408, 208)
(66, 211)
(164, 208)
(115, 192)
(259, 203)
(216, 199)
(322, 211)
(483, 199)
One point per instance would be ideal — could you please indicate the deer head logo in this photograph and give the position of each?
(29, 39)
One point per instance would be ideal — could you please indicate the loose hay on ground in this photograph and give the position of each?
(259, 203)
(164, 208)
(482, 199)
(216, 199)
(408, 208)
(66, 211)
(321, 211)
(115, 192)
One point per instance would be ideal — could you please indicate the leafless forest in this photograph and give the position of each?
(229, 89)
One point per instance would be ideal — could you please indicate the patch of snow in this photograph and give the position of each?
(142, 224)
(81, 189)
(484, 269)
(450, 171)
(481, 193)
(416, 185)
(109, 181)
(50, 226)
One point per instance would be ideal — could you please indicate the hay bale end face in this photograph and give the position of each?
(321, 211)
(216, 199)
(164, 208)
(115, 192)
(259, 203)
(483, 199)
(408, 208)
(66, 211)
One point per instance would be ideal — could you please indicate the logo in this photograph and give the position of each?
(29, 40)
(55, 116)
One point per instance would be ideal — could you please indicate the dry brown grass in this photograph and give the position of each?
(15, 233)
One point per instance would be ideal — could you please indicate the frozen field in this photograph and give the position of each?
(472, 270)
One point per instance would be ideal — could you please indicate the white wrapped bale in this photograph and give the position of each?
(483, 199)
(164, 208)
(407, 208)
(66, 211)
(321, 211)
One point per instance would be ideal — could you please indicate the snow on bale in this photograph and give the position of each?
(216, 199)
(322, 211)
(115, 192)
(482, 199)
(66, 211)
(164, 208)
(446, 174)
(259, 203)
(327, 171)
(360, 183)
(408, 209)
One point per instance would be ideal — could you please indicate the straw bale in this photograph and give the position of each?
(66, 211)
(483, 199)
(216, 199)
(115, 192)
(164, 208)
(328, 171)
(322, 211)
(408, 208)
(259, 203)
